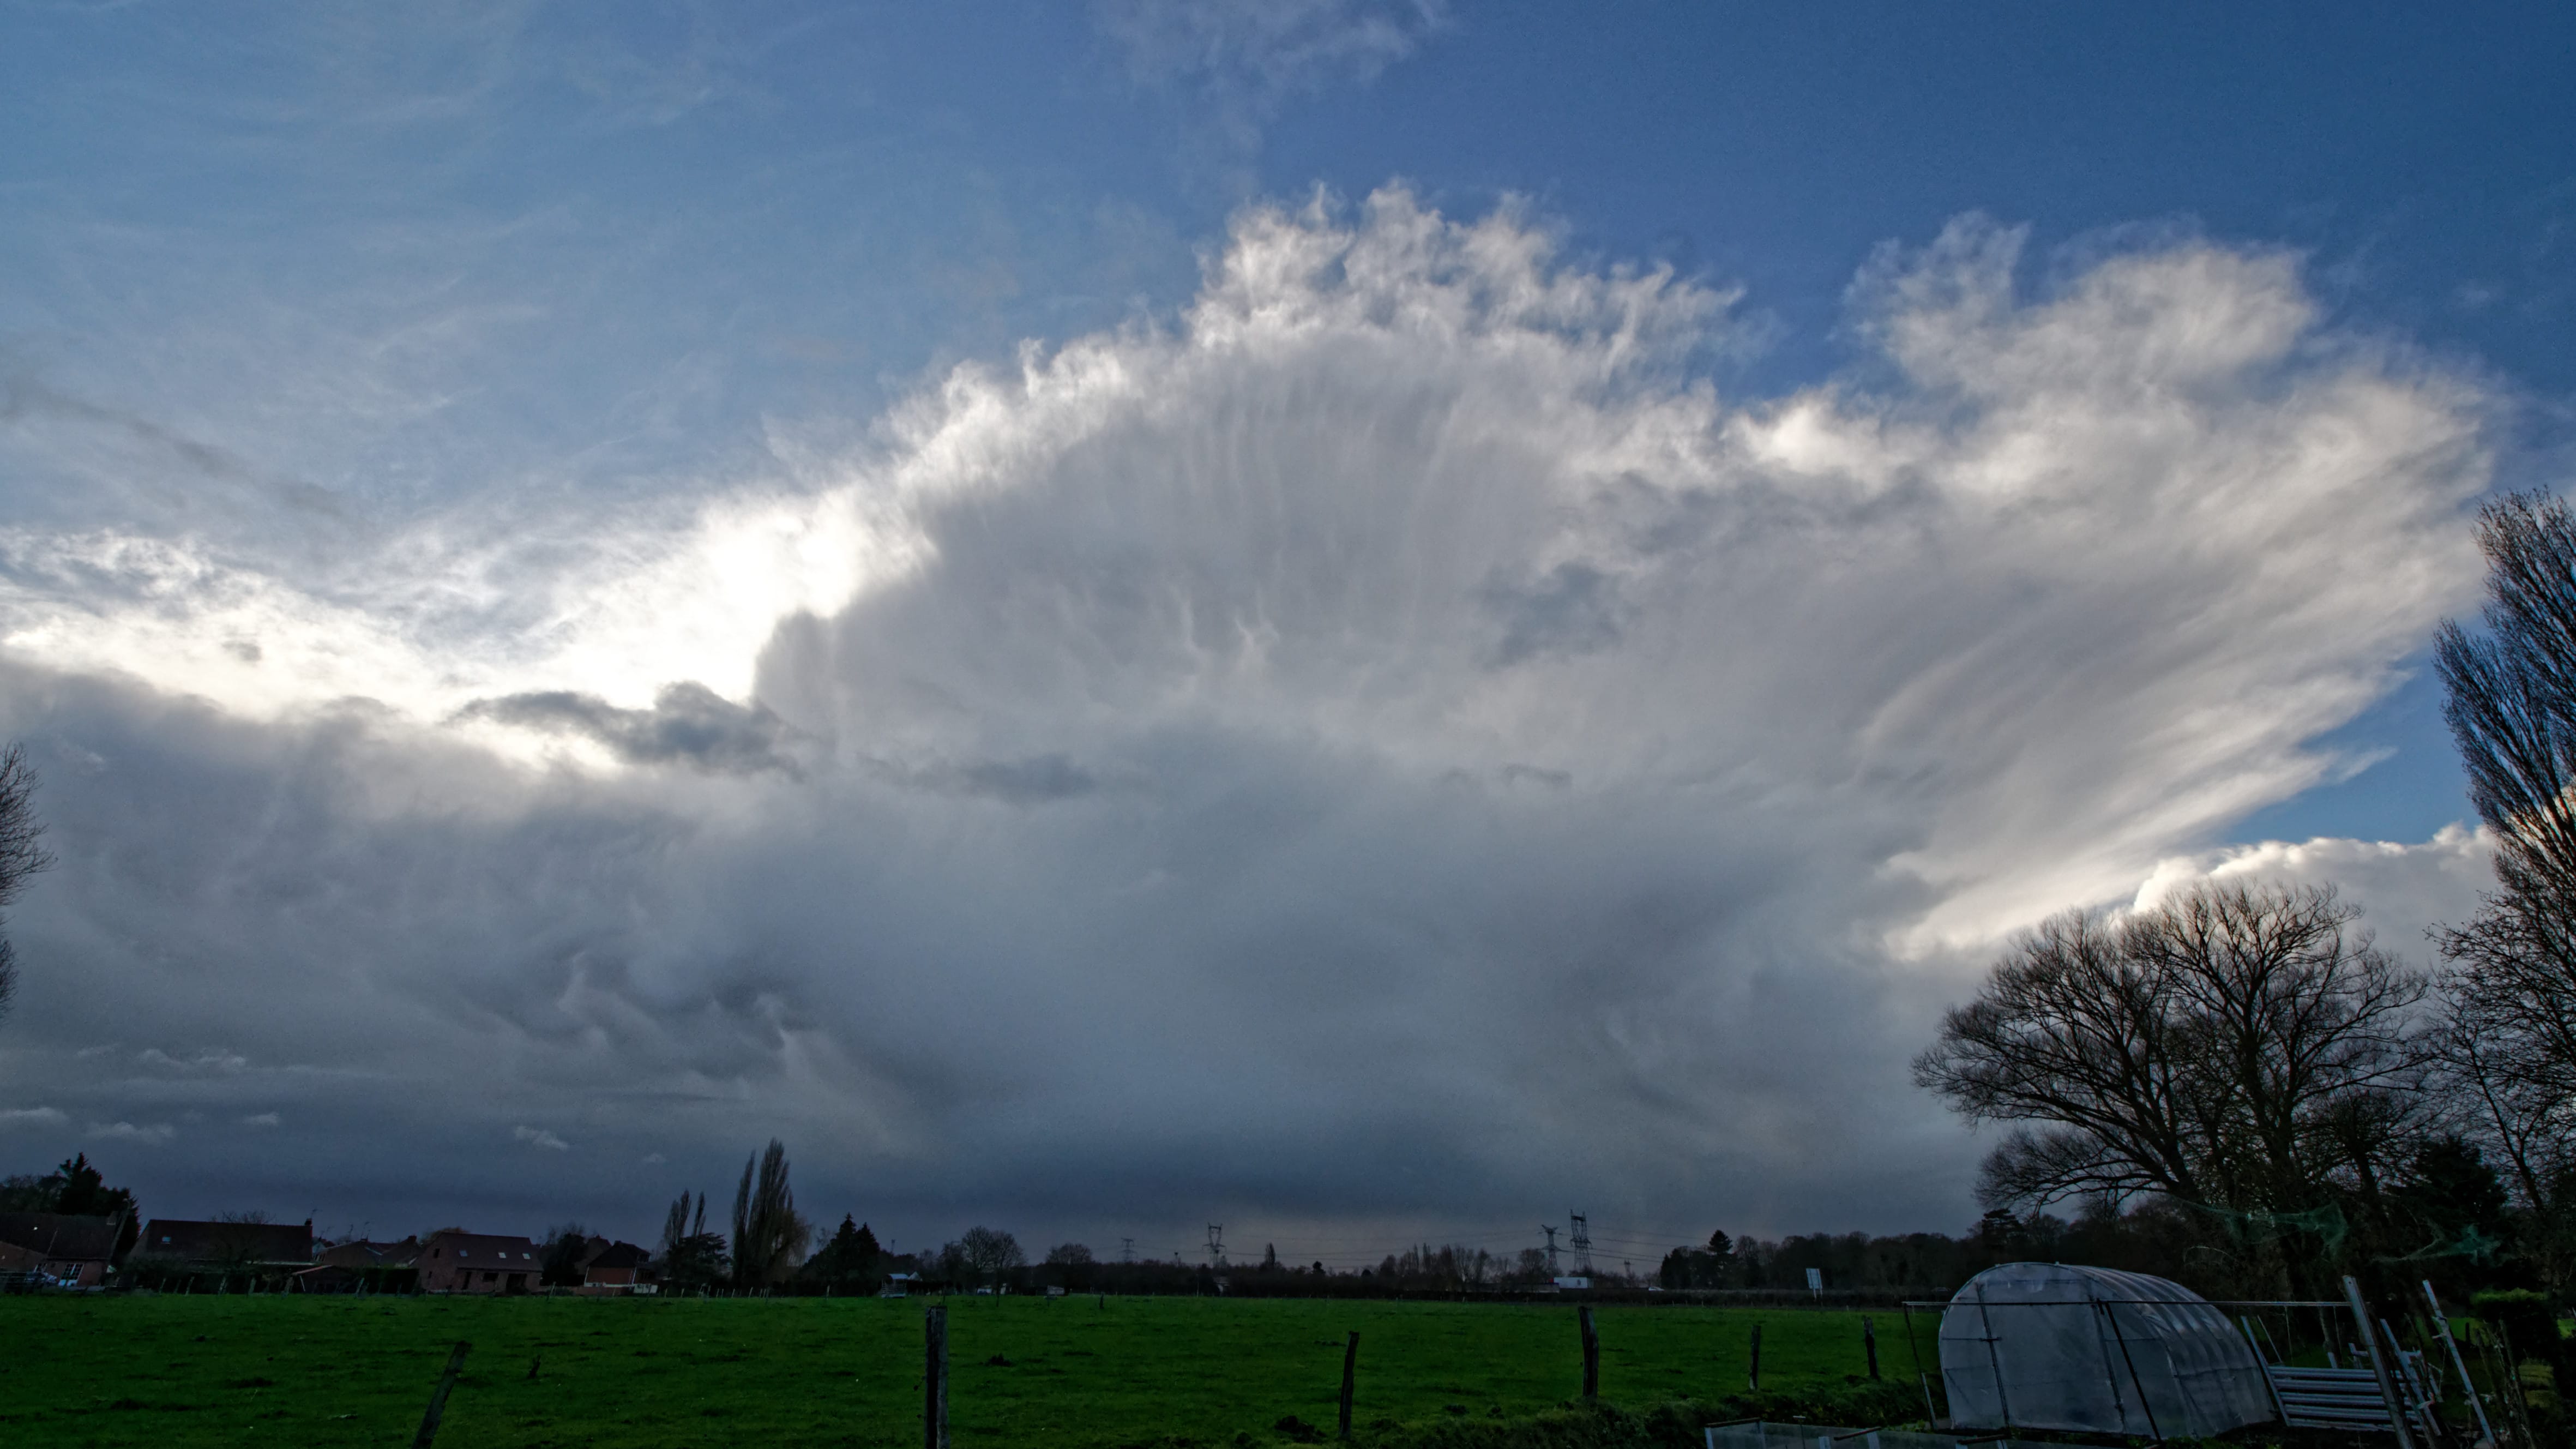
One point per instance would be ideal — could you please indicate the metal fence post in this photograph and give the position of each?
(2378, 1363)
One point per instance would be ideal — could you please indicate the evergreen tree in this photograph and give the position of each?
(849, 1260)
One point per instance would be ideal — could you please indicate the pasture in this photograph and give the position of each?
(1030, 1373)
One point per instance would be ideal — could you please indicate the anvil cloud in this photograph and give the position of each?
(1388, 742)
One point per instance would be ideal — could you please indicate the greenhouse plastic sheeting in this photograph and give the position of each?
(1822, 1436)
(2044, 1346)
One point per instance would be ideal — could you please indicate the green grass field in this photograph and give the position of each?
(284, 1371)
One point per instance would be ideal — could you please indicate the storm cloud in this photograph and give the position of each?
(1387, 745)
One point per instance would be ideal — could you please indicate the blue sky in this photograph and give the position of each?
(1891, 472)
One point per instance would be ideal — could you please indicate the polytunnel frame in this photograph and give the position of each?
(2355, 1307)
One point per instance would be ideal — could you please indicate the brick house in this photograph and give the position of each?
(619, 1266)
(218, 1247)
(456, 1261)
(78, 1251)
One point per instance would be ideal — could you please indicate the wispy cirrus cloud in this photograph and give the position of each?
(1243, 59)
(1274, 47)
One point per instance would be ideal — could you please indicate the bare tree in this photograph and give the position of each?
(559, 1257)
(990, 1253)
(769, 1238)
(2238, 1046)
(22, 853)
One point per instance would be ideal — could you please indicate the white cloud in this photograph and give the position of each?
(1386, 741)
(439, 621)
(153, 1135)
(31, 1117)
(261, 1119)
(2405, 891)
(209, 1059)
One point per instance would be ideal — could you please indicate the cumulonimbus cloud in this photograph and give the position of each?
(1388, 741)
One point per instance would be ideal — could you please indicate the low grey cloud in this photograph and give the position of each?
(1024, 782)
(688, 724)
(1392, 748)
(1574, 609)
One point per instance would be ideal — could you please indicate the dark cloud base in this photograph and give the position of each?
(1251, 986)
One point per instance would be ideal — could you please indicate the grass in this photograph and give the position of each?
(1025, 1372)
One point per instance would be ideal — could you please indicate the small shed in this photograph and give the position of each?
(2047, 1346)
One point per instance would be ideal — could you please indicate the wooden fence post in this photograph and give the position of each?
(438, 1398)
(1591, 1355)
(1756, 1376)
(934, 1377)
(1869, 1342)
(1350, 1373)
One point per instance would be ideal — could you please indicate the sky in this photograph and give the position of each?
(1365, 621)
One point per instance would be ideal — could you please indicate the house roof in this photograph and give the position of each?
(359, 1253)
(601, 1253)
(478, 1250)
(61, 1236)
(227, 1242)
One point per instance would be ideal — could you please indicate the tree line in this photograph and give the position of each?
(2239, 1085)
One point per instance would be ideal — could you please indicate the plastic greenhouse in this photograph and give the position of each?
(2045, 1346)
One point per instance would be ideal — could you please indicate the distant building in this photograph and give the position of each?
(358, 1265)
(604, 1264)
(218, 1247)
(359, 1253)
(1573, 1282)
(456, 1261)
(71, 1250)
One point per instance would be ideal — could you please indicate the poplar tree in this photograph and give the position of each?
(2511, 704)
(769, 1238)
